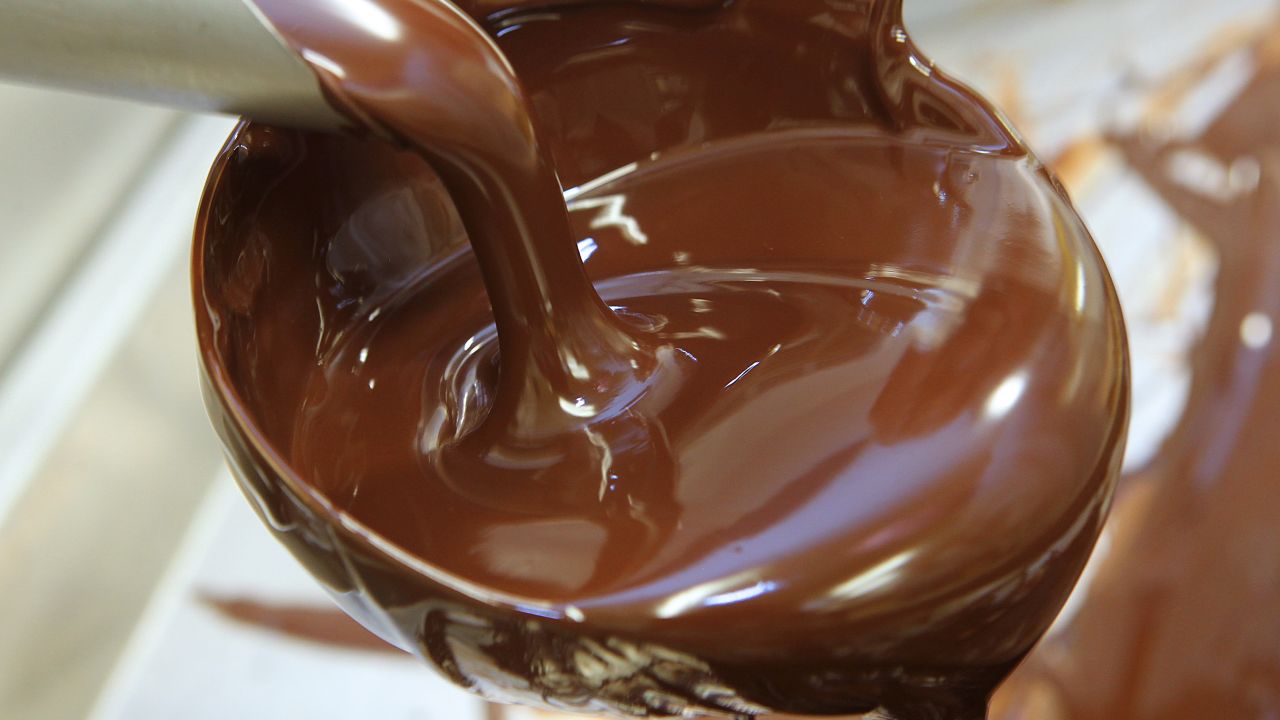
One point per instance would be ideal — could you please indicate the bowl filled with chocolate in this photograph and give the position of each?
(684, 358)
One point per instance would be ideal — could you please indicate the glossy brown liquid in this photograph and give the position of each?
(809, 398)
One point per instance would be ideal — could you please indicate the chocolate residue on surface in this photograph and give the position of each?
(811, 390)
(1181, 617)
(319, 625)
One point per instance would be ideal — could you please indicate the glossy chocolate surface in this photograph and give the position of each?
(835, 429)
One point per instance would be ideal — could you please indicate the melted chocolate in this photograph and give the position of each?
(809, 399)
(319, 625)
(1180, 619)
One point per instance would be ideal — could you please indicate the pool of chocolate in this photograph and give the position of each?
(887, 420)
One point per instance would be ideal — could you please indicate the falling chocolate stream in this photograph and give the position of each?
(779, 375)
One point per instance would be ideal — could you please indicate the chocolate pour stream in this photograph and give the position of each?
(816, 357)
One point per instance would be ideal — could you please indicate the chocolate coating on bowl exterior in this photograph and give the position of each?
(810, 399)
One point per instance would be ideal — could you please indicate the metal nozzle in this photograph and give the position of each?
(203, 55)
